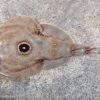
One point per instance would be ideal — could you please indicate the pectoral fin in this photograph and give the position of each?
(54, 31)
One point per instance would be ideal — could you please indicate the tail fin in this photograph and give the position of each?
(79, 50)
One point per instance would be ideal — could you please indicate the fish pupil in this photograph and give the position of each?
(24, 48)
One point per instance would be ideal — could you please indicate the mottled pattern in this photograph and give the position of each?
(79, 78)
(26, 44)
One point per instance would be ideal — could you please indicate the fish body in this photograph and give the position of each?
(25, 44)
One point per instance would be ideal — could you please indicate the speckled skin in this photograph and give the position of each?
(47, 43)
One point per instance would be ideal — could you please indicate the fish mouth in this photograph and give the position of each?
(40, 61)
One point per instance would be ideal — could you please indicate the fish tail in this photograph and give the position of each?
(79, 50)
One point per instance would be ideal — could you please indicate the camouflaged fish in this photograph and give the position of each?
(25, 44)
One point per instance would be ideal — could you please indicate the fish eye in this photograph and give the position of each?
(24, 48)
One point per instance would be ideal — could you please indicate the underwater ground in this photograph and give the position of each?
(76, 79)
